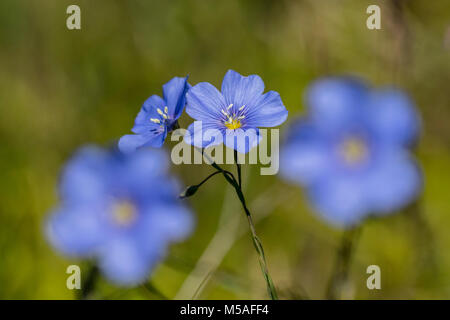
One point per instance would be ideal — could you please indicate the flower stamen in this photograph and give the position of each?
(353, 150)
(233, 119)
(233, 124)
(124, 213)
(164, 115)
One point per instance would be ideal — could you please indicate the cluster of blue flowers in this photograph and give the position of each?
(351, 152)
(240, 107)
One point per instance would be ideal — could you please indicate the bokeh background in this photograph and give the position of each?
(61, 89)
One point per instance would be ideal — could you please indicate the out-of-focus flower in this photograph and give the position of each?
(121, 210)
(352, 150)
(234, 115)
(158, 116)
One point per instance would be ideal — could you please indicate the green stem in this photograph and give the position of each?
(238, 165)
(88, 285)
(208, 177)
(256, 242)
(155, 291)
(341, 269)
(425, 244)
(237, 185)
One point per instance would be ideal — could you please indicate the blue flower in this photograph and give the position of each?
(234, 115)
(121, 210)
(158, 116)
(352, 150)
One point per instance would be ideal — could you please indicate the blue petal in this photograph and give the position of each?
(268, 111)
(335, 103)
(393, 183)
(204, 102)
(175, 96)
(142, 122)
(166, 221)
(304, 162)
(155, 140)
(203, 134)
(242, 140)
(77, 231)
(124, 262)
(144, 175)
(154, 102)
(240, 90)
(146, 162)
(83, 178)
(149, 110)
(148, 128)
(130, 143)
(340, 199)
(393, 117)
(305, 158)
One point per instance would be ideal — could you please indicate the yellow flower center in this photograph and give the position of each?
(232, 118)
(233, 124)
(124, 213)
(353, 150)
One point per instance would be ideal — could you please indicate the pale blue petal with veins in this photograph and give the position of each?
(237, 112)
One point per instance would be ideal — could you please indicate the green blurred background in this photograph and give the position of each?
(63, 88)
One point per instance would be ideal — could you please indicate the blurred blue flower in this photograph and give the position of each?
(234, 115)
(121, 210)
(158, 116)
(352, 150)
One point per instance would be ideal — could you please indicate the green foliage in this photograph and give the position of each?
(61, 89)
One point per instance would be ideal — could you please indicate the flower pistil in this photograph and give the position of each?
(353, 150)
(124, 213)
(233, 120)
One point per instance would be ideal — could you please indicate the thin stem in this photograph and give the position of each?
(153, 290)
(425, 243)
(200, 287)
(256, 242)
(341, 269)
(191, 190)
(227, 233)
(228, 175)
(208, 177)
(238, 165)
(88, 285)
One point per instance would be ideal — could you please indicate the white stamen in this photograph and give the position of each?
(240, 109)
(166, 109)
(155, 120)
(159, 111)
(230, 106)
